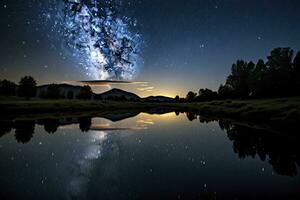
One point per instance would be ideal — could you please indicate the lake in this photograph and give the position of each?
(146, 156)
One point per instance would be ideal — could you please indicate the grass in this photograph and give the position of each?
(271, 110)
(268, 110)
(13, 105)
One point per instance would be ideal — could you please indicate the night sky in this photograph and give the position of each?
(185, 45)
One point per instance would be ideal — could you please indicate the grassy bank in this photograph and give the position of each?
(22, 106)
(267, 110)
(279, 110)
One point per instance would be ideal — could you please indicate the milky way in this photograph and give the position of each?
(98, 36)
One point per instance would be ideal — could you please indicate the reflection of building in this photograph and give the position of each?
(65, 90)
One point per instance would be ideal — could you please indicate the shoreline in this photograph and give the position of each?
(279, 110)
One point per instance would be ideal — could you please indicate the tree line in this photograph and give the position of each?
(27, 88)
(279, 76)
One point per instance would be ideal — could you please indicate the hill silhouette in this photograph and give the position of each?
(117, 94)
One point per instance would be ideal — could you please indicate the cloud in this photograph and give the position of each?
(110, 82)
(147, 89)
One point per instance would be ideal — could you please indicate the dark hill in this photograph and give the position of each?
(159, 99)
(117, 94)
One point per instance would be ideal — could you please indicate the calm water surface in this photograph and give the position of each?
(147, 156)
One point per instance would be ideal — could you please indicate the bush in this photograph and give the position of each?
(7, 88)
(27, 87)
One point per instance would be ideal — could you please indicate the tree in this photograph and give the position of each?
(278, 77)
(27, 87)
(224, 92)
(7, 88)
(296, 73)
(206, 95)
(177, 98)
(257, 77)
(239, 80)
(191, 96)
(280, 59)
(86, 92)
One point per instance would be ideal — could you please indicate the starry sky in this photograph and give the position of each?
(185, 45)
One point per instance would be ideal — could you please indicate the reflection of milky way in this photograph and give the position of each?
(81, 170)
(98, 36)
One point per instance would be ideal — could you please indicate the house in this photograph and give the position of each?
(65, 90)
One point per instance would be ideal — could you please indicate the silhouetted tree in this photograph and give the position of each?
(278, 77)
(177, 99)
(296, 73)
(85, 123)
(240, 78)
(191, 96)
(7, 88)
(257, 84)
(206, 95)
(86, 92)
(27, 87)
(24, 130)
(225, 92)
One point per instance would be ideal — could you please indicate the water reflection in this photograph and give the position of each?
(155, 155)
(24, 130)
(85, 123)
(282, 150)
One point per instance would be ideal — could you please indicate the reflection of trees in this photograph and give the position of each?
(191, 116)
(5, 127)
(203, 119)
(85, 123)
(24, 130)
(282, 150)
(51, 125)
